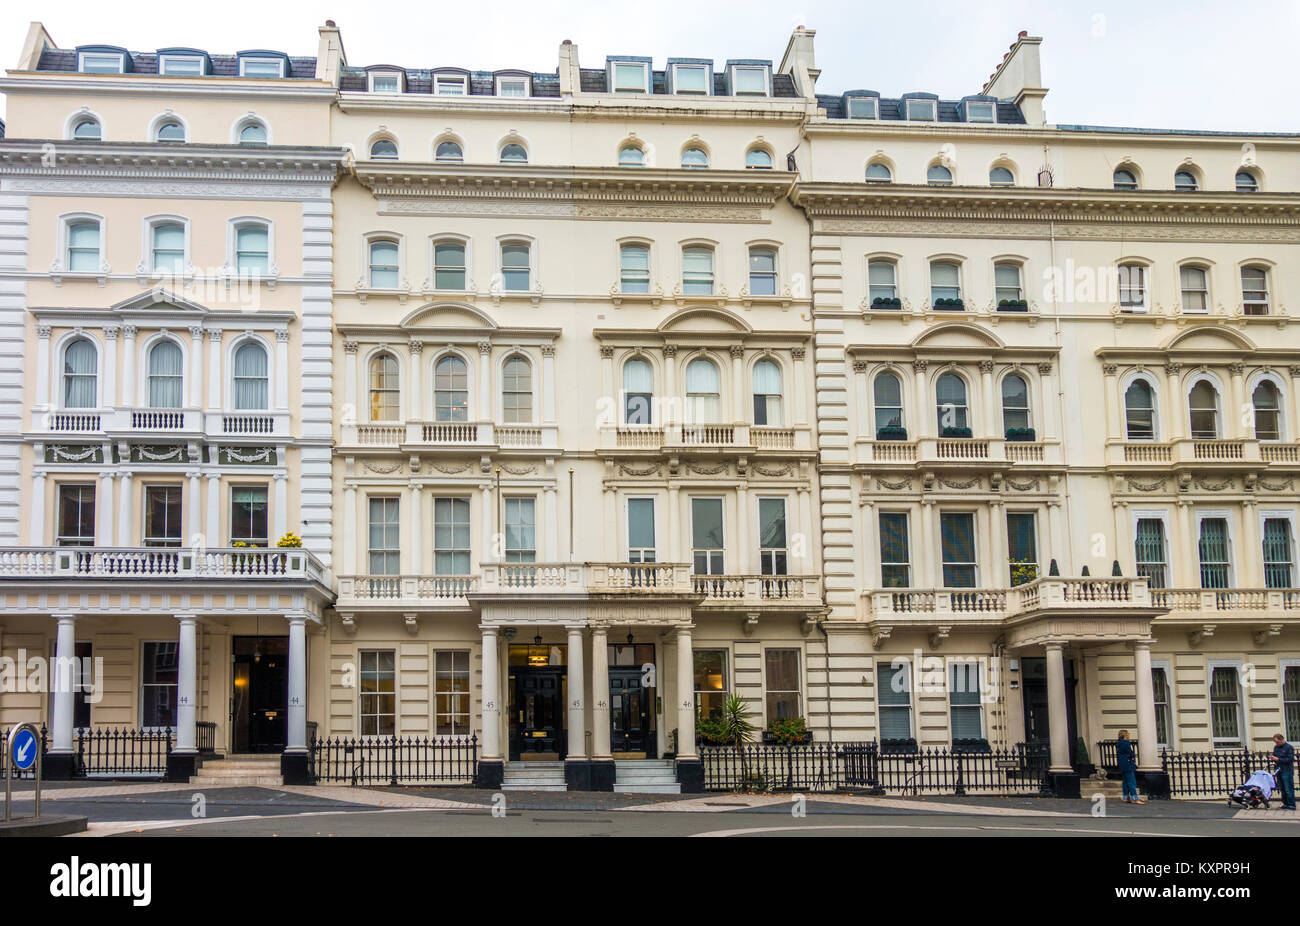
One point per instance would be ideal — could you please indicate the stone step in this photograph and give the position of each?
(238, 781)
(673, 788)
(506, 787)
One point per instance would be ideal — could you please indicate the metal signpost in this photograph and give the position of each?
(23, 752)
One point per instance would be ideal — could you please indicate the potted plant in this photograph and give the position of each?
(789, 731)
(290, 539)
(949, 304)
(886, 302)
(950, 431)
(891, 432)
(709, 731)
(1022, 571)
(1021, 434)
(1013, 305)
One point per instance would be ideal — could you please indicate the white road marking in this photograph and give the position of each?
(752, 831)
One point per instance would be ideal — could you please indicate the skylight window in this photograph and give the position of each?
(981, 111)
(863, 107)
(922, 110)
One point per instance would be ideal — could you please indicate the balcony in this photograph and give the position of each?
(1187, 453)
(990, 607)
(148, 563)
(742, 438)
(176, 423)
(957, 452)
(407, 589)
(746, 592)
(1202, 601)
(450, 435)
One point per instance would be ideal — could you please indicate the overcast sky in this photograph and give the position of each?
(1191, 64)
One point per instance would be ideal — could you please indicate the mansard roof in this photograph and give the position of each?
(893, 109)
(65, 59)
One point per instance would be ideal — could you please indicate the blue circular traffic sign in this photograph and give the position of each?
(23, 748)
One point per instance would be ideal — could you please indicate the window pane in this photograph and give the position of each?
(762, 272)
(1225, 714)
(710, 681)
(1277, 553)
(1139, 411)
(162, 516)
(1149, 551)
(634, 268)
(383, 264)
(781, 674)
(1213, 548)
(250, 377)
(957, 532)
(248, 515)
(1022, 546)
(895, 557)
(76, 515)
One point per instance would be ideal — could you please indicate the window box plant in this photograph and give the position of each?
(791, 731)
(949, 304)
(1013, 305)
(899, 747)
(970, 746)
(886, 302)
(1021, 434)
(891, 432)
(950, 431)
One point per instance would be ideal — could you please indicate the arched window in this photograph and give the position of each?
(252, 254)
(516, 269)
(87, 129)
(384, 148)
(385, 388)
(80, 371)
(1268, 411)
(252, 133)
(1203, 407)
(950, 402)
(767, 393)
(697, 271)
(938, 175)
(695, 158)
(1246, 182)
(168, 247)
(1001, 176)
(634, 268)
(451, 389)
(879, 173)
(1015, 406)
(449, 265)
(84, 246)
(514, 154)
(1125, 180)
(1254, 290)
(703, 392)
(517, 390)
(165, 375)
(945, 281)
(1195, 288)
(1185, 181)
(887, 392)
(383, 264)
(449, 152)
(1140, 411)
(762, 271)
(638, 392)
(758, 159)
(631, 156)
(171, 130)
(250, 377)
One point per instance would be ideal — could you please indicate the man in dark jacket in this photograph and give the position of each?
(1284, 756)
(1128, 768)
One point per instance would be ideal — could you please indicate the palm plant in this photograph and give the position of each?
(736, 727)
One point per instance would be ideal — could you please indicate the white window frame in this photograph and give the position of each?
(1229, 542)
(533, 385)
(1167, 666)
(369, 240)
(397, 696)
(250, 118)
(690, 536)
(934, 110)
(84, 56)
(501, 79)
(244, 60)
(993, 111)
(65, 236)
(627, 527)
(232, 242)
(876, 558)
(1278, 514)
(873, 101)
(1121, 270)
(531, 244)
(1156, 421)
(1268, 287)
(1220, 419)
(229, 365)
(1161, 515)
(763, 69)
(467, 695)
(393, 73)
(448, 238)
(146, 243)
(949, 666)
(142, 685)
(1205, 273)
(437, 142)
(1284, 664)
(643, 87)
(165, 60)
(708, 79)
(801, 681)
(230, 510)
(1243, 724)
(448, 79)
(905, 665)
(650, 261)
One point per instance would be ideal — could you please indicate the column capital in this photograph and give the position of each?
(186, 617)
(128, 332)
(214, 335)
(62, 616)
(110, 332)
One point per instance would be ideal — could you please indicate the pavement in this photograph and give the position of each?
(157, 809)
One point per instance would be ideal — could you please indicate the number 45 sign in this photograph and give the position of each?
(22, 753)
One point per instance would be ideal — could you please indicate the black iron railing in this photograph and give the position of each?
(1108, 758)
(111, 752)
(1211, 774)
(865, 766)
(393, 760)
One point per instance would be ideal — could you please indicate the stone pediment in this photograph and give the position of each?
(704, 319)
(957, 335)
(448, 315)
(1207, 338)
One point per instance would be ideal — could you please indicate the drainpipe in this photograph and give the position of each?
(830, 714)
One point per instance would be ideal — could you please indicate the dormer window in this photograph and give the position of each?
(864, 107)
(101, 63)
(981, 111)
(513, 86)
(385, 82)
(181, 66)
(630, 77)
(261, 67)
(749, 80)
(922, 110)
(451, 85)
(690, 78)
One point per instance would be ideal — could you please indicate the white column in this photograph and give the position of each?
(485, 401)
(992, 424)
(282, 369)
(1057, 539)
(104, 519)
(491, 696)
(195, 516)
(110, 367)
(1232, 423)
(607, 386)
(37, 505)
(800, 390)
(1114, 421)
(1187, 564)
(352, 413)
(1173, 417)
(215, 398)
(599, 694)
(1049, 400)
(415, 557)
(186, 694)
(1056, 710)
(743, 538)
(738, 390)
(1148, 761)
(806, 529)
(61, 682)
(548, 384)
(414, 391)
(349, 529)
(128, 367)
(489, 522)
(196, 367)
(552, 526)
(124, 514)
(212, 523)
(923, 420)
(1000, 569)
(42, 366)
(671, 408)
(685, 696)
(1250, 567)
(577, 686)
(672, 523)
(281, 511)
(296, 734)
(932, 555)
(864, 428)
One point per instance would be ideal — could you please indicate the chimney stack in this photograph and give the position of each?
(1019, 78)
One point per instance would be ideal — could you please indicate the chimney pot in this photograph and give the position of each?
(1022, 34)
(567, 42)
(330, 24)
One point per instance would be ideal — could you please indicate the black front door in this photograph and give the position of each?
(630, 712)
(258, 707)
(1033, 671)
(537, 713)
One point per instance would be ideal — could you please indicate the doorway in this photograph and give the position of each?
(1033, 672)
(537, 687)
(632, 700)
(259, 705)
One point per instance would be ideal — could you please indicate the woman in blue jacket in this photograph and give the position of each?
(1128, 768)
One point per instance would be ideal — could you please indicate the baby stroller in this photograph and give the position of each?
(1255, 793)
